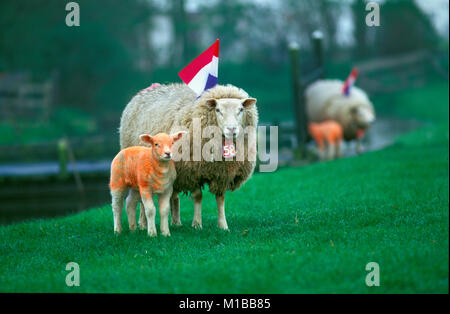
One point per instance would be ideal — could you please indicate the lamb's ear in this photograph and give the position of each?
(248, 102)
(178, 135)
(146, 138)
(211, 103)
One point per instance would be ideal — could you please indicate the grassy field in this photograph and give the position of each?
(304, 230)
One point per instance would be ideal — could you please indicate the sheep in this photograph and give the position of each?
(325, 101)
(328, 136)
(147, 171)
(176, 106)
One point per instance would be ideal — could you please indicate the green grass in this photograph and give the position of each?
(303, 230)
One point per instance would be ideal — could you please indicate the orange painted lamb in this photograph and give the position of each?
(328, 136)
(145, 171)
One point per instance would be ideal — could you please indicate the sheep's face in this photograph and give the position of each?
(230, 114)
(162, 144)
(362, 116)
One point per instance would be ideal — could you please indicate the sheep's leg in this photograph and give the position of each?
(358, 146)
(117, 206)
(130, 208)
(197, 221)
(150, 211)
(164, 207)
(175, 210)
(221, 219)
(142, 218)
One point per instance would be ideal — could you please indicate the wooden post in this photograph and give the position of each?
(299, 108)
(62, 158)
(317, 38)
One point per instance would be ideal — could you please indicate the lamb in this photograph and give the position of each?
(147, 172)
(328, 136)
(176, 106)
(355, 113)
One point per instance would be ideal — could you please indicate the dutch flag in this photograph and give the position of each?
(202, 73)
(349, 82)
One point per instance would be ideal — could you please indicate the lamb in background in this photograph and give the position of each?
(176, 105)
(355, 112)
(147, 172)
(328, 136)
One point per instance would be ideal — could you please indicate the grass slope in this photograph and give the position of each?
(303, 230)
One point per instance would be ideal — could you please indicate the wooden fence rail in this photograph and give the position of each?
(299, 83)
(94, 147)
(20, 97)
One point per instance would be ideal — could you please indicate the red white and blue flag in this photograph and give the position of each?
(349, 82)
(202, 73)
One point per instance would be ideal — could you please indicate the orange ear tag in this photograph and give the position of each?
(360, 133)
(228, 149)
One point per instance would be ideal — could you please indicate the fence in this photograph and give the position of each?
(95, 147)
(19, 97)
(299, 83)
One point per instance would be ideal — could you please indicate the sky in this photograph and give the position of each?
(438, 11)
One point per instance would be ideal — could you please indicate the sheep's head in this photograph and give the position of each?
(162, 144)
(230, 114)
(362, 116)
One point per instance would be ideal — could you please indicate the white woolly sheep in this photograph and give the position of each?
(325, 101)
(175, 105)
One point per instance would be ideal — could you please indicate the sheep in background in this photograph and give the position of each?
(176, 105)
(355, 112)
(328, 136)
(146, 172)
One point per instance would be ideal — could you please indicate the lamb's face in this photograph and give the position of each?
(162, 144)
(229, 113)
(363, 116)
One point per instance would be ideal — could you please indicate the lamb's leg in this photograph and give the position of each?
(150, 212)
(321, 149)
(164, 207)
(221, 220)
(117, 206)
(175, 210)
(197, 221)
(130, 208)
(331, 149)
(338, 149)
(142, 218)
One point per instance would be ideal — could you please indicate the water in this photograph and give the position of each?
(383, 133)
(52, 167)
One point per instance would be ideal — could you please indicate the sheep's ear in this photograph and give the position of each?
(354, 110)
(248, 102)
(211, 103)
(146, 138)
(178, 135)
